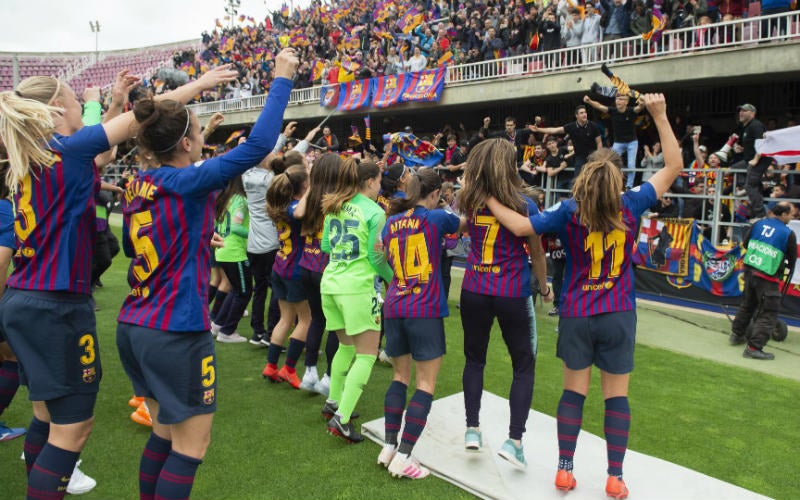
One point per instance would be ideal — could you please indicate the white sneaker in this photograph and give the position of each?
(233, 338)
(387, 454)
(80, 483)
(405, 466)
(384, 358)
(310, 379)
(323, 386)
(246, 313)
(215, 328)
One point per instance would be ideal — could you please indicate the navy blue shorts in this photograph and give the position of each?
(423, 338)
(177, 369)
(53, 336)
(605, 340)
(288, 290)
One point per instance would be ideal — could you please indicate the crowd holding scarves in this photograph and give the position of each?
(340, 42)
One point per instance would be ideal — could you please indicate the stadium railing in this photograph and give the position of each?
(708, 38)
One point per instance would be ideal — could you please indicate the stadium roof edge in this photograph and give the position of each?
(104, 52)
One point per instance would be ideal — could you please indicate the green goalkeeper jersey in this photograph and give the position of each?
(349, 236)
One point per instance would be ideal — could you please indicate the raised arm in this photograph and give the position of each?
(596, 105)
(122, 128)
(547, 130)
(673, 163)
(215, 121)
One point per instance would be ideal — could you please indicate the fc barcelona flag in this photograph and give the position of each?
(387, 89)
(329, 96)
(355, 94)
(663, 245)
(424, 86)
(718, 271)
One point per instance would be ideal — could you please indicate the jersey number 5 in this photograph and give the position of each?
(143, 245)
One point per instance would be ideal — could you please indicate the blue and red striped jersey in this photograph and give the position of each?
(168, 221)
(287, 261)
(55, 216)
(7, 237)
(313, 258)
(413, 245)
(497, 263)
(599, 274)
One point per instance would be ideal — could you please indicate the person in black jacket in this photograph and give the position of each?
(771, 250)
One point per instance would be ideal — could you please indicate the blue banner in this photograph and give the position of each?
(387, 89)
(414, 151)
(354, 95)
(329, 96)
(424, 86)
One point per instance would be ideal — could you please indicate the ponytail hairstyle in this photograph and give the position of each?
(418, 187)
(280, 164)
(323, 179)
(27, 125)
(348, 185)
(491, 170)
(391, 179)
(234, 187)
(282, 190)
(367, 170)
(162, 126)
(598, 192)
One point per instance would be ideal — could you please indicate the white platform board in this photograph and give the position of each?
(441, 448)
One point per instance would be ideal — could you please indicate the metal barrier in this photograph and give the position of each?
(707, 38)
(733, 182)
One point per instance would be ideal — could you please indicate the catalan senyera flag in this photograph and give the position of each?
(663, 245)
(445, 58)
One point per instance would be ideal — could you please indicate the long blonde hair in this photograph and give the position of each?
(491, 170)
(598, 192)
(27, 125)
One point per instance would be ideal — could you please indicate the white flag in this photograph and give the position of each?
(783, 145)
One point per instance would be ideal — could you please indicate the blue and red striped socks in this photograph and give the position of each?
(35, 439)
(49, 476)
(293, 353)
(416, 418)
(9, 383)
(177, 477)
(393, 405)
(569, 418)
(154, 455)
(617, 424)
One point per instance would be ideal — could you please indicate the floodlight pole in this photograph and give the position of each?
(95, 27)
(232, 9)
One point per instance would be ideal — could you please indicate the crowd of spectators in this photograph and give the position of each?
(365, 38)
